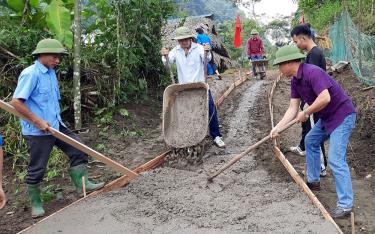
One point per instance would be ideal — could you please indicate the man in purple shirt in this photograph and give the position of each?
(337, 116)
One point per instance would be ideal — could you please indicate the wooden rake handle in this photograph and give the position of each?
(169, 68)
(205, 62)
(244, 153)
(76, 144)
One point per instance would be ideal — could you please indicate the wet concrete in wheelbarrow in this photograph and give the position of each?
(244, 199)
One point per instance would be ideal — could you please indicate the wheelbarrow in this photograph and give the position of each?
(260, 67)
(185, 118)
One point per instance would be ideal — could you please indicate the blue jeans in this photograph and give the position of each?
(213, 120)
(338, 141)
(255, 58)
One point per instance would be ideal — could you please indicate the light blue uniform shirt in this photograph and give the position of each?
(38, 86)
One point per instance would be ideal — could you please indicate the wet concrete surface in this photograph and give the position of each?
(244, 199)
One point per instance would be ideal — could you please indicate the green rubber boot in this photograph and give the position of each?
(76, 174)
(35, 201)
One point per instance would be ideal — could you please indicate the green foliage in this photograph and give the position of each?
(139, 43)
(58, 19)
(50, 192)
(279, 30)
(51, 14)
(124, 112)
(16, 5)
(222, 9)
(104, 116)
(321, 14)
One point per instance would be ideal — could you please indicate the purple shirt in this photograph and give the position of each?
(310, 82)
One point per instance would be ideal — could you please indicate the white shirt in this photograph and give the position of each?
(190, 67)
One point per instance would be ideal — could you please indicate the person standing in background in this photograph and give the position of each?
(202, 39)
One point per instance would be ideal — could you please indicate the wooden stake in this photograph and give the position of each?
(83, 186)
(353, 222)
(244, 153)
(76, 144)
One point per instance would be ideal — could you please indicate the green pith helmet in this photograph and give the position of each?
(288, 53)
(254, 32)
(47, 46)
(183, 33)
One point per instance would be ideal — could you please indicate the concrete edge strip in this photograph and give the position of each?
(123, 180)
(292, 172)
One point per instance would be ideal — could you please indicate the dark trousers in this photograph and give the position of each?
(212, 62)
(213, 120)
(40, 147)
(306, 127)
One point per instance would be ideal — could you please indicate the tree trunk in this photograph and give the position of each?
(77, 65)
(117, 83)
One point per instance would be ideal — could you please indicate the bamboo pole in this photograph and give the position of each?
(76, 144)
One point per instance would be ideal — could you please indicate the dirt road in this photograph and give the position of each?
(244, 199)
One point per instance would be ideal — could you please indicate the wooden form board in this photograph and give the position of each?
(123, 180)
(235, 84)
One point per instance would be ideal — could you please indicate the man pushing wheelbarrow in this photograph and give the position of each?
(255, 53)
(185, 104)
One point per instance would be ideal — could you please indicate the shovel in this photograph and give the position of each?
(244, 153)
(205, 66)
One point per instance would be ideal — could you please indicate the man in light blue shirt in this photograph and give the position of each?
(189, 58)
(37, 98)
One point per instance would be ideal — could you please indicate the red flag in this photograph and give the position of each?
(302, 18)
(237, 34)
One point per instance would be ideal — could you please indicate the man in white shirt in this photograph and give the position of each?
(189, 58)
